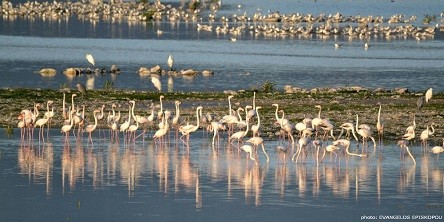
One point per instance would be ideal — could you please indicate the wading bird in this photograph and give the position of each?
(81, 89)
(437, 150)
(428, 95)
(170, 62)
(90, 59)
(249, 150)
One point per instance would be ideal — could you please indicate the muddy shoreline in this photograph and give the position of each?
(339, 105)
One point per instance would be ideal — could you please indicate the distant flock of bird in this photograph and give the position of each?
(271, 24)
(311, 132)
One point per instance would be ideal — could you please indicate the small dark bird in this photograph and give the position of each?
(419, 103)
(81, 89)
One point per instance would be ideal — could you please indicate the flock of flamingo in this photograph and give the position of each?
(315, 132)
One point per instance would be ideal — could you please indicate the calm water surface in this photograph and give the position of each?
(29, 45)
(141, 181)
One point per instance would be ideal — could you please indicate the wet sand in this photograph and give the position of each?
(338, 105)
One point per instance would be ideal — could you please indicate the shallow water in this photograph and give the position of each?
(29, 45)
(143, 181)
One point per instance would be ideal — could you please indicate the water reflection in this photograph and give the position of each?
(73, 165)
(37, 164)
(175, 172)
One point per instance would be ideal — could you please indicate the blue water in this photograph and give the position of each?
(30, 45)
(143, 181)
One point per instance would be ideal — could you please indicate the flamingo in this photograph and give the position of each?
(64, 110)
(41, 122)
(187, 129)
(380, 124)
(229, 119)
(67, 128)
(160, 113)
(403, 144)
(425, 135)
(437, 150)
(412, 127)
(346, 144)
(327, 126)
(280, 121)
(318, 145)
(315, 122)
(133, 128)
(215, 127)
(21, 125)
(90, 128)
(159, 134)
(240, 134)
(287, 127)
(175, 121)
(252, 112)
(348, 127)
(330, 148)
(249, 149)
(364, 133)
(255, 128)
(300, 127)
(283, 150)
(303, 142)
(79, 119)
(124, 126)
(49, 114)
(259, 141)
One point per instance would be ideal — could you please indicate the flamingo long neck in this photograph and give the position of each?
(282, 119)
(248, 128)
(357, 122)
(95, 120)
(129, 115)
(64, 106)
(177, 109)
(197, 117)
(229, 105)
(276, 112)
(258, 118)
(379, 115)
(71, 119)
(254, 100)
(354, 134)
(114, 112)
(132, 110)
(433, 130)
(36, 111)
(239, 115)
(83, 112)
(161, 104)
(251, 155)
(72, 101)
(101, 111)
(319, 114)
(47, 109)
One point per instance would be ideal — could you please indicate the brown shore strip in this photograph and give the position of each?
(339, 105)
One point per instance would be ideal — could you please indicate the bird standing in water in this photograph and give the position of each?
(170, 62)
